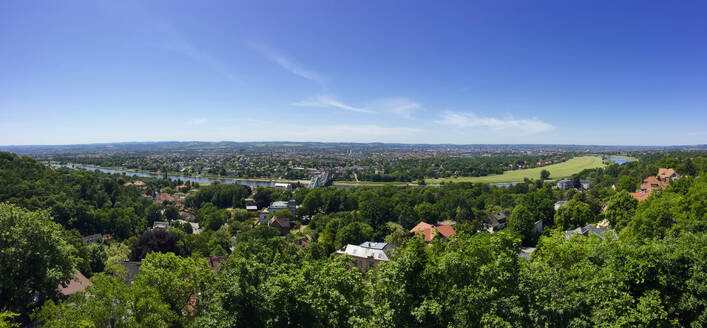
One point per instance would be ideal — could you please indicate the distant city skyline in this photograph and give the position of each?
(468, 72)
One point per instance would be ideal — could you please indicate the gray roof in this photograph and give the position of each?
(374, 245)
(132, 268)
(279, 203)
(363, 252)
(586, 230)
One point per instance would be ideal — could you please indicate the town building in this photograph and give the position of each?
(367, 257)
(160, 225)
(599, 230)
(496, 221)
(78, 283)
(568, 183)
(559, 204)
(290, 205)
(655, 183)
(430, 232)
(95, 238)
(281, 224)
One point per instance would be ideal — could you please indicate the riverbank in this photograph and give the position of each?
(177, 175)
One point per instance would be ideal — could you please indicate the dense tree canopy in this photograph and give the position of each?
(651, 275)
(34, 258)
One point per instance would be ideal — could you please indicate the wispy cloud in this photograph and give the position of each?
(399, 106)
(198, 121)
(288, 63)
(519, 126)
(325, 101)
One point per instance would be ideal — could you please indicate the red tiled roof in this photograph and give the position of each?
(665, 173)
(429, 231)
(640, 195)
(446, 230)
(422, 226)
(77, 284)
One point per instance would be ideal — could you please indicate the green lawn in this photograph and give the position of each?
(557, 171)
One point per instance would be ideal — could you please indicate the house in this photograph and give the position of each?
(282, 224)
(263, 217)
(160, 225)
(282, 186)
(187, 216)
(537, 228)
(564, 184)
(378, 245)
(78, 283)
(163, 197)
(194, 225)
(139, 184)
(132, 268)
(290, 205)
(250, 204)
(586, 230)
(496, 221)
(667, 175)
(95, 238)
(560, 204)
(430, 232)
(526, 252)
(568, 183)
(655, 183)
(639, 195)
(365, 257)
(304, 241)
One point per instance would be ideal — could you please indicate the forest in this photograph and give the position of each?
(651, 271)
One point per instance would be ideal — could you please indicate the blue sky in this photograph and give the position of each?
(594, 72)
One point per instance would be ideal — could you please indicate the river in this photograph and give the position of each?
(619, 160)
(249, 183)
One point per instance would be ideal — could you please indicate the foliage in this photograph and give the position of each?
(220, 195)
(34, 258)
(573, 214)
(156, 240)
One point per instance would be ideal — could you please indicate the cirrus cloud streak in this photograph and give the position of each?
(518, 126)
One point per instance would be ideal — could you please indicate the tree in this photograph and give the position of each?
(397, 235)
(97, 257)
(156, 240)
(171, 212)
(34, 258)
(262, 199)
(6, 319)
(573, 214)
(283, 214)
(112, 304)
(522, 221)
(544, 174)
(353, 233)
(374, 209)
(241, 215)
(620, 209)
(576, 182)
(181, 281)
(627, 183)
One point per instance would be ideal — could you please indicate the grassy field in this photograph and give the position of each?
(557, 171)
